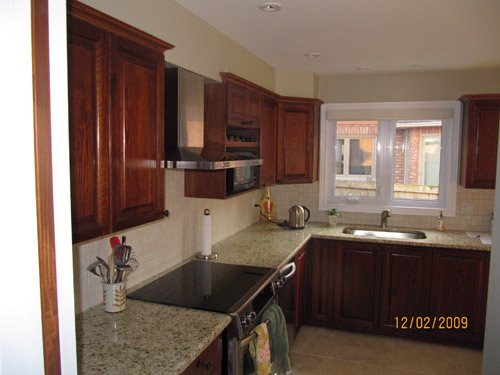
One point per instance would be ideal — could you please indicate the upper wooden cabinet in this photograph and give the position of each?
(242, 102)
(298, 140)
(481, 116)
(269, 119)
(116, 93)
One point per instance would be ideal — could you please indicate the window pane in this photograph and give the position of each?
(361, 156)
(417, 159)
(355, 158)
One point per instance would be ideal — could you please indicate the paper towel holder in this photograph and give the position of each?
(199, 254)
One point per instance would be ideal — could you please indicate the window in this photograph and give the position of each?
(402, 156)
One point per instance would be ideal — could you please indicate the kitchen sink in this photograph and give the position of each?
(385, 233)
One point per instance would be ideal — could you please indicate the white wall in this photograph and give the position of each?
(20, 311)
(296, 83)
(61, 184)
(445, 85)
(198, 46)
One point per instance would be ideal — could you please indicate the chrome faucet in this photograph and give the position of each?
(383, 218)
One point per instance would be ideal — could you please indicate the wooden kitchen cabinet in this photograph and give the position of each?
(209, 362)
(357, 291)
(269, 118)
(406, 278)
(298, 140)
(116, 93)
(365, 287)
(321, 282)
(481, 116)
(459, 289)
(242, 102)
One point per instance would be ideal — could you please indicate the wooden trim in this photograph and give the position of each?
(117, 27)
(43, 176)
(297, 100)
(234, 78)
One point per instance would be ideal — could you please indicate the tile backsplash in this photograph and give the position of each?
(162, 244)
(474, 208)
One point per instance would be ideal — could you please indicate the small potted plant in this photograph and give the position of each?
(333, 216)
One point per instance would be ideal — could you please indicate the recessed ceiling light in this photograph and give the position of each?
(419, 66)
(270, 7)
(312, 54)
(364, 68)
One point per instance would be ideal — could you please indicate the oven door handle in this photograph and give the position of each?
(287, 276)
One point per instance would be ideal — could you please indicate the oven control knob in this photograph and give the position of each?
(251, 315)
(245, 322)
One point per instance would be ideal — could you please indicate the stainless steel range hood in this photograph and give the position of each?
(184, 124)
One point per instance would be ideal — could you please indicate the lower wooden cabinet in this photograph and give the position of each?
(458, 292)
(398, 290)
(209, 361)
(357, 287)
(405, 286)
(321, 282)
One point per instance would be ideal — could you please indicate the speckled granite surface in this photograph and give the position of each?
(268, 245)
(145, 338)
(159, 339)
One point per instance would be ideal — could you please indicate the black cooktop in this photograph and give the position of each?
(205, 285)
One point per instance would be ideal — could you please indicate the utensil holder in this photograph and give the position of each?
(114, 296)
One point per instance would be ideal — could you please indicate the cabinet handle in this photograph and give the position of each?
(207, 366)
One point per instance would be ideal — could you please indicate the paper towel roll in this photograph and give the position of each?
(206, 234)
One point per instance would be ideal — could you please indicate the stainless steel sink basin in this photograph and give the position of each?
(385, 233)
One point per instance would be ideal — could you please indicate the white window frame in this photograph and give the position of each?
(384, 199)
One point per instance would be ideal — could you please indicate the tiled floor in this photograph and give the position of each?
(325, 351)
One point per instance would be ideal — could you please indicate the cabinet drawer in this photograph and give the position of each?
(209, 361)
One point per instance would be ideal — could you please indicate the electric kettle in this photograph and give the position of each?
(297, 217)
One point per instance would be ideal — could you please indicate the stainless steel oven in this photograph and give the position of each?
(242, 292)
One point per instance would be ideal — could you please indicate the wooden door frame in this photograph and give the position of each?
(44, 191)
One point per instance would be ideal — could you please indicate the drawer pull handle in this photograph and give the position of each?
(206, 365)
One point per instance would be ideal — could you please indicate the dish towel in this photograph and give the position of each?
(259, 350)
(278, 336)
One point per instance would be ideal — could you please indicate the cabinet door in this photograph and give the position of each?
(268, 142)
(405, 286)
(300, 288)
(297, 140)
(459, 289)
(253, 108)
(321, 285)
(357, 288)
(89, 130)
(479, 143)
(208, 362)
(236, 104)
(137, 91)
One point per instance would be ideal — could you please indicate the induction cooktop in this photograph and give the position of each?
(206, 285)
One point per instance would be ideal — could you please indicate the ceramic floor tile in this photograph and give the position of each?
(427, 358)
(313, 341)
(472, 360)
(339, 366)
(304, 364)
(363, 348)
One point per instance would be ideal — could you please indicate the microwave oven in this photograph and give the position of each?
(241, 179)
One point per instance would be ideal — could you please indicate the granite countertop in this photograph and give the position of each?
(144, 338)
(267, 245)
(160, 339)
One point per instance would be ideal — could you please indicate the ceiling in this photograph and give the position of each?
(362, 35)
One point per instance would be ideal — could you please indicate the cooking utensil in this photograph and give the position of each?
(114, 241)
(96, 269)
(106, 267)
